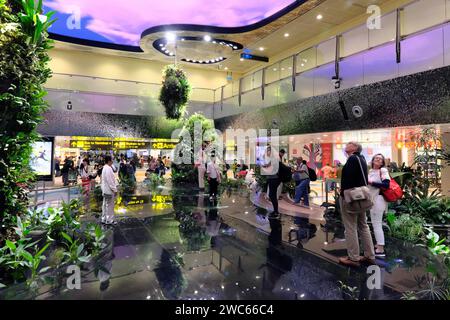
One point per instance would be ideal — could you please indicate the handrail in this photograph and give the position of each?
(119, 80)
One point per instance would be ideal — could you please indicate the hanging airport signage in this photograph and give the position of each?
(91, 144)
(164, 144)
(122, 145)
(98, 143)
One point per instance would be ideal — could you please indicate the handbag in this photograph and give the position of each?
(358, 199)
(393, 193)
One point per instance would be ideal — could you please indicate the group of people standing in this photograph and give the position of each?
(355, 173)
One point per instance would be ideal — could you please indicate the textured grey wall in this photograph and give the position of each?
(422, 98)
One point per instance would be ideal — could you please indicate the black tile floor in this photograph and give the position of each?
(230, 249)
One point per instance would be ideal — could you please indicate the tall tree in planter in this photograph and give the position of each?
(24, 46)
(186, 173)
(175, 92)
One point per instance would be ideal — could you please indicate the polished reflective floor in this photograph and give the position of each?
(189, 247)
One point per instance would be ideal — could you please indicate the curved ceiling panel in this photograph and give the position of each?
(119, 24)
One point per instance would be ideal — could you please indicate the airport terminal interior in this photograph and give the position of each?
(209, 150)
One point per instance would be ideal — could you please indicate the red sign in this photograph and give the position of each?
(327, 154)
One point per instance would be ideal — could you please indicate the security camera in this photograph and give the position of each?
(336, 81)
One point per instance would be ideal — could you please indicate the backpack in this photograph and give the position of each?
(284, 173)
(312, 174)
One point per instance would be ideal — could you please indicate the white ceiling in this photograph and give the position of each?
(301, 29)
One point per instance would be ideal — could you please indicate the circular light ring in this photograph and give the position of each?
(212, 61)
(160, 45)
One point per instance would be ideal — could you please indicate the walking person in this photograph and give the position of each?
(302, 188)
(270, 168)
(109, 190)
(355, 175)
(214, 177)
(378, 178)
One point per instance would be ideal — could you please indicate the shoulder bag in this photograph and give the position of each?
(358, 199)
(393, 193)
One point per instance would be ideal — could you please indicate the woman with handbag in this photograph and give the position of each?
(378, 180)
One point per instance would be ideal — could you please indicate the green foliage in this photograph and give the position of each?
(406, 227)
(436, 245)
(348, 293)
(24, 46)
(433, 207)
(95, 238)
(422, 183)
(186, 172)
(76, 252)
(175, 92)
(190, 230)
(153, 181)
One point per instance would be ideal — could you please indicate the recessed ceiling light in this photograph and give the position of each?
(319, 17)
(242, 59)
(226, 68)
(274, 69)
(161, 45)
(171, 36)
(286, 35)
(261, 49)
(234, 47)
(182, 39)
(207, 38)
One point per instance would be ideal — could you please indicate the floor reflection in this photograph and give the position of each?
(230, 249)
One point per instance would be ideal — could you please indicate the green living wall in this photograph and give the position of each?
(24, 46)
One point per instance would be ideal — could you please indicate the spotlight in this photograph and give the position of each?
(207, 38)
(171, 36)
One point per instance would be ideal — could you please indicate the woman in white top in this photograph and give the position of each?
(378, 179)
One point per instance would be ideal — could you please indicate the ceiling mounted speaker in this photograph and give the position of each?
(357, 111)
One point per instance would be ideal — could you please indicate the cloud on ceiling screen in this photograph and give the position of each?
(122, 22)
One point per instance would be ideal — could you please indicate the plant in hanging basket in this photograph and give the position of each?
(175, 92)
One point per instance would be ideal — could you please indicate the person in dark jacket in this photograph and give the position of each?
(355, 174)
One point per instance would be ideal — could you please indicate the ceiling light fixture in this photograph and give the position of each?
(207, 38)
(226, 68)
(171, 36)
(286, 35)
(261, 49)
(242, 59)
(319, 17)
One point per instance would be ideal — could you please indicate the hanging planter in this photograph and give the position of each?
(175, 92)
